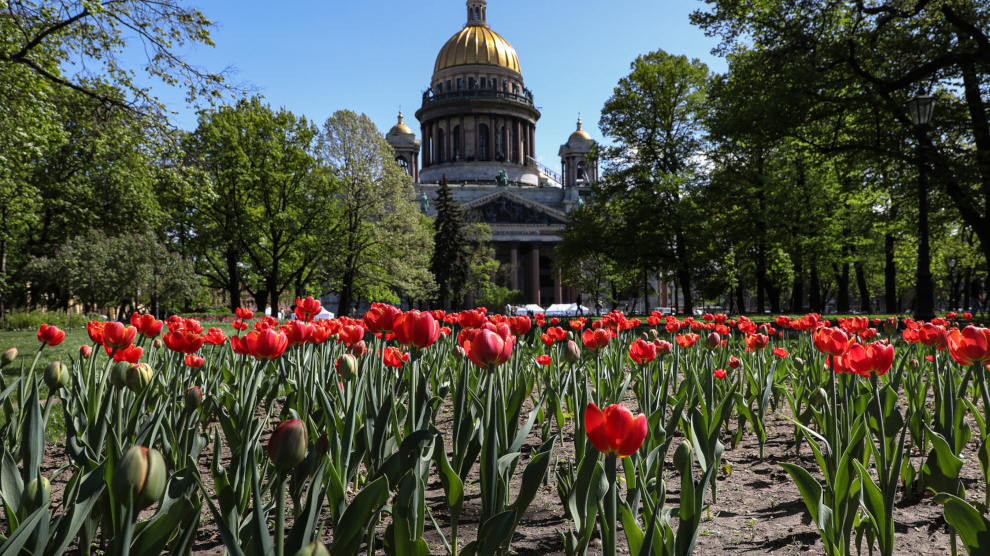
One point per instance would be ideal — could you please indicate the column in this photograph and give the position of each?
(477, 138)
(558, 290)
(514, 265)
(532, 141)
(534, 274)
(448, 144)
(425, 128)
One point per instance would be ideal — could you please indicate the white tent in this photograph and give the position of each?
(527, 309)
(558, 310)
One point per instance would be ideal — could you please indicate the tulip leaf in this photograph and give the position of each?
(941, 470)
(90, 489)
(13, 545)
(32, 435)
(872, 499)
(452, 485)
(356, 518)
(11, 486)
(634, 535)
(523, 433)
(813, 495)
(153, 537)
(972, 527)
(304, 526)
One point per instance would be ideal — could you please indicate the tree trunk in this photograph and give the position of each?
(346, 293)
(890, 276)
(683, 273)
(234, 279)
(797, 289)
(274, 288)
(967, 281)
(761, 280)
(842, 296)
(864, 291)
(815, 295)
(740, 300)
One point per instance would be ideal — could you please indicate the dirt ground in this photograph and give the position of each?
(759, 509)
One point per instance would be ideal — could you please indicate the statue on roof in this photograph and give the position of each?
(502, 178)
(424, 203)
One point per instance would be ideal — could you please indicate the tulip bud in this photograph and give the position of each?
(663, 347)
(118, 375)
(36, 494)
(142, 472)
(682, 457)
(459, 353)
(890, 325)
(193, 398)
(713, 340)
(914, 365)
(315, 548)
(138, 377)
(572, 353)
(287, 445)
(322, 446)
(653, 334)
(821, 397)
(798, 363)
(85, 351)
(8, 357)
(571, 335)
(645, 336)
(56, 375)
(157, 343)
(347, 366)
(359, 348)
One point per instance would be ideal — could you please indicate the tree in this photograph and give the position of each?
(381, 244)
(100, 38)
(654, 117)
(450, 265)
(264, 225)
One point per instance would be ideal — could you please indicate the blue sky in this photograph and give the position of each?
(316, 57)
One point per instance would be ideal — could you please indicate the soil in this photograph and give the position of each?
(759, 509)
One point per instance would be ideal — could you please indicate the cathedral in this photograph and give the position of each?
(478, 128)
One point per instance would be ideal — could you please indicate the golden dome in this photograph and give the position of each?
(579, 136)
(477, 44)
(400, 128)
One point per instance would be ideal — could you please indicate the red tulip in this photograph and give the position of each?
(146, 325)
(85, 351)
(614, 431)
(131, 354)
(911, 335)
(415, 329)
(95, 330)
(184, 341)
(239, 345)
(780, 352)
(855, 325)
(50, 335)
(394, 358)
(663, 347)
(215, 337)
(756, 342)
(267, 344)
(933, 336)
(381, 317)
(297, 332)
(864, 360)
(543, 360)
(489, 347)
(971, 345)
(642, 352)
(350, 334)
(359, 348)
(471, 319)
(686, 340)
(520, 325)
(734, 362)
(832, 341)
(596, 338)
(718, 373)
(194, 361)
(116, 335)
(307, 308)
(244, 314)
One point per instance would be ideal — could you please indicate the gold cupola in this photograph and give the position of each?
(477, 44)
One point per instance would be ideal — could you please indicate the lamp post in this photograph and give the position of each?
(920, 108)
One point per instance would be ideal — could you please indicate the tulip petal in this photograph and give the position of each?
(594, 425)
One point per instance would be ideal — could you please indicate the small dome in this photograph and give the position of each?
(400, 128)
(477, 44)
(579, 136)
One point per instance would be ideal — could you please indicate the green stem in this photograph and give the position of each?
(280, 514)
(122, 543)
(610, 527)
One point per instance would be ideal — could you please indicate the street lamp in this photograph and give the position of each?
(920, 108)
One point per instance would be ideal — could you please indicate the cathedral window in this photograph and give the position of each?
(484, 83)
(441, 147)
(403, 163)
(448, 85)
(505, 84)
(456, 140)
(470, 83)
(460, 84)
(482, 142)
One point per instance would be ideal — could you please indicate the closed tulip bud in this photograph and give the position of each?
(157, 343)
(118, 375)
(140, 473)
(287, 445)
(571, 335)
(85, 351)
(193, 398)
(914, 365)
(572, 353)
(682, 457)
(36, 494)
(56, 375)
(458, 353)
(8, 357)
(138, 377)
(347, 366)
(713, 341)
(798, 363)
(359, 348)
(653, 334)
(821, 397)
(645, 336)
(315, 548)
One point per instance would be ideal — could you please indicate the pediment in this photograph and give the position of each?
(504, 207)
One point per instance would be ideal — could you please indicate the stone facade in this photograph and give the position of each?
(477, 121)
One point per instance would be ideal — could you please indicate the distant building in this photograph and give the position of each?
(478, 127)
